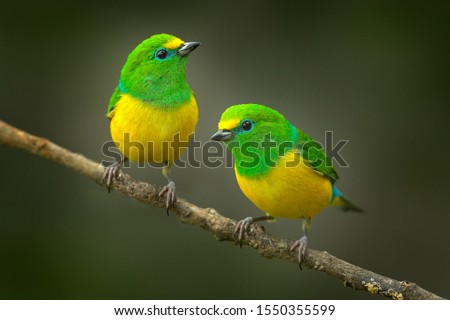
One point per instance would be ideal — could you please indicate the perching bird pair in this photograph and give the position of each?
(289, 175)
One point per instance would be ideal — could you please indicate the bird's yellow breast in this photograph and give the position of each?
(288, 191)
(145, 133)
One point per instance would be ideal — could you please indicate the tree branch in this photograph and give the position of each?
(209, 219)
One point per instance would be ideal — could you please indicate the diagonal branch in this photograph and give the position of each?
(209, 219)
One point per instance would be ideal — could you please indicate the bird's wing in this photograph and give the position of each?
(314, 156)
(113, 101)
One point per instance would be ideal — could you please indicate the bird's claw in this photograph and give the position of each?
(171, 198)
(241, 228)
(110, 173)
(301, 245)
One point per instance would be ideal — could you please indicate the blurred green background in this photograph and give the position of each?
(375, 73)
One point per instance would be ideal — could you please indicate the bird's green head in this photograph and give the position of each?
(155, 70)
(256, 135)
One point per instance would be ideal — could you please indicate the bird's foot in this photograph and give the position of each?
(301, 245)
(241, 228)
(110, 173)
(171, 198)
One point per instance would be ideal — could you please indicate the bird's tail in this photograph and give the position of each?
(340, 201)
(345, 204)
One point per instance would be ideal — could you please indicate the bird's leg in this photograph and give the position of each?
(169, 189)
(302, 244)
(243, 225)
(111, 172)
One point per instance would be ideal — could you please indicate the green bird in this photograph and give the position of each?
(153, 112)
(280, 168)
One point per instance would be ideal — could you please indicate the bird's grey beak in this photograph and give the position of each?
(222, 136)
(187, 48)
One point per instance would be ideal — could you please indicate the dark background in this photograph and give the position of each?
(376, 74)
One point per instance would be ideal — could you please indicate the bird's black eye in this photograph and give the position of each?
(247, 125)
(161, 54)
